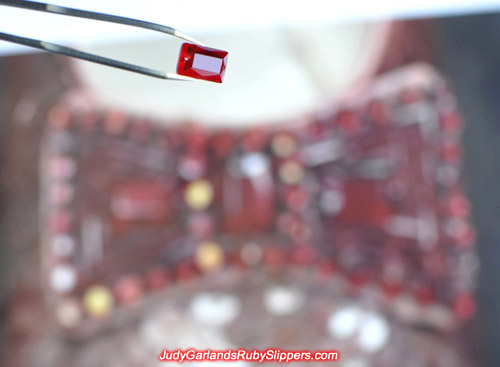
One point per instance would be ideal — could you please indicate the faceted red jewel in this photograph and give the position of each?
(202, 62)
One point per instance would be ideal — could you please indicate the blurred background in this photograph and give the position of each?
(289, 66)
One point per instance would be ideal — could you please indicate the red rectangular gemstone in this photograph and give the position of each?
(202, 62)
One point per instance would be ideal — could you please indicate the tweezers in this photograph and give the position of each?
(55, 48)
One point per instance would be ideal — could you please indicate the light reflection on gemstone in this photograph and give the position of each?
(207, 65)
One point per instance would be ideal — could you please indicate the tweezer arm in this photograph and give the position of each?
(51, 47)
(71, 12)
(68, 51)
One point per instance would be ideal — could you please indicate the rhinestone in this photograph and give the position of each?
(297, 198)
(291, 172)
(209, 256)
(448, 175)
(331, 202)
(98, 301)
(215, 309)
(199, 194)
(191, 168)
(374, 333)
(60, 222)
(283, 300)
(464, 306)
(63, 245)
(344, 323)
(62, 168)
(255, 139)
(61, 193)
(348, 121)
(251, 254)
(115, 122)
(59, 117)
(201, 225)
(63, 278)
(451, 122)
(68, 313)
(128, 290)
(283, 145)
(254, 164)
(157, 279)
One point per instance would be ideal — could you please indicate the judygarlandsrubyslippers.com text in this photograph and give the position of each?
(259, 356)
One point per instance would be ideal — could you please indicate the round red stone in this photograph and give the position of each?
(464, 306)
(128, 290)
(157, 278)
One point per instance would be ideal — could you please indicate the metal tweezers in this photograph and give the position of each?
(52, 47)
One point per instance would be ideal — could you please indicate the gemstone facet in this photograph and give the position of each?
(202, 62)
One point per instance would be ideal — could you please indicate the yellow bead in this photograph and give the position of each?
(209, 256)
(98, 301)
(68, 313)
(291, 173)
(199, 194)
(283, 145)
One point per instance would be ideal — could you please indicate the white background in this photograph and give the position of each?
(198, 17)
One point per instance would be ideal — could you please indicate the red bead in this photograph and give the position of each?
(140, 131)
(222, 143)
(196, 139)
(348, 121)
(458, 206)
(451, 152)
(60, 222)
(296, 198)
(274, 257)
(379, 112)
(464, 306)
(202, 63)
(185, 270)
(411, 96)
(358, 279)
(303, 254)
(391, 289)
(451, 121)
(423, 294)
(255, 139)
(201, 225)
(59, 117)
(316, 129)
(128, 290)
(325, 269)
(157, 279)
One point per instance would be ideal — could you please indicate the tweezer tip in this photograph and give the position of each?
(173, 76)
(187, 38)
